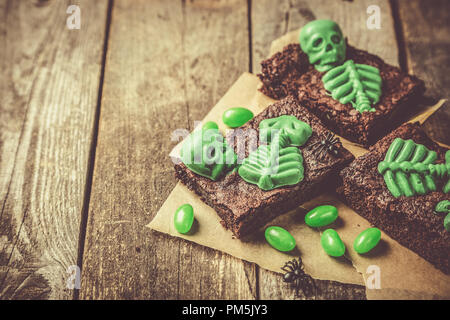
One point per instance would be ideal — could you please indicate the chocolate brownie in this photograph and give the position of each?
(409, 220)
(289, 73)
(244, 207)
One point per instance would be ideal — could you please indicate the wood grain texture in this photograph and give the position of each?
(48, 97)
(426, 28)
(290, 15)
(184, 57)
(168, 63)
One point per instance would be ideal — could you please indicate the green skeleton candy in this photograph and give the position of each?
(359, 84)
(292, 131)
(348, 82)
(324, 43)
(280, 163)
(271, 167)
(408, 169)
(206, 153)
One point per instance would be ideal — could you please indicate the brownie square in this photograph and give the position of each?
(289, 73)
(244, 207)
(409, 220)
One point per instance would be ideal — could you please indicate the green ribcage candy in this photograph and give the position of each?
(271, 167)
(408, 169)
(358, 84)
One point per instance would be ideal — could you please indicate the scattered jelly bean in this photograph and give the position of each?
(367, 240)
(321, 216)
(236, 117)
(332, 243)
(279, 238)
(210, 125)
(184, 218)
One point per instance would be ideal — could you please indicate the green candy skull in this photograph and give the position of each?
(324, 43)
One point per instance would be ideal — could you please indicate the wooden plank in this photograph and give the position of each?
(271, 21)
(48, 98)
(272, 287)
(168, 62)
(425, 27)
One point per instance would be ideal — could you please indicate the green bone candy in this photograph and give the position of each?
(446, 188)
(279, 163)
(321, 216)
(408, 169)
(359, 84)
(367, 240)
(447, 222)
(332, 243)
(236, 117)
(183, 218)
(270, 167)
(279, 238)
(444, 207)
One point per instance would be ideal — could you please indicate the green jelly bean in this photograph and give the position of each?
(184, 218)
(279, 238)
(367, 240)
(332, 243)
(236, 117)
(321, 216)
(210, 125)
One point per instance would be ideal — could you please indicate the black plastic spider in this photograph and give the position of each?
(297, 276)
(326, 145)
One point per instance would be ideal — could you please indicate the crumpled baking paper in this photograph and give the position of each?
(390, 271)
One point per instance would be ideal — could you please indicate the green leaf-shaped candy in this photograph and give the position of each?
(447, 222)
(444, 207)
(358, 84)
(408, 169)
(271, 167)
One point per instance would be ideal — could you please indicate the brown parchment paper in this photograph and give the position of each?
(403, 274)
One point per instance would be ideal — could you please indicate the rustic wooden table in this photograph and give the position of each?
(85, 122)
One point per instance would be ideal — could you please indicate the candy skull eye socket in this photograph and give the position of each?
(335, 38)
(317, 42)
